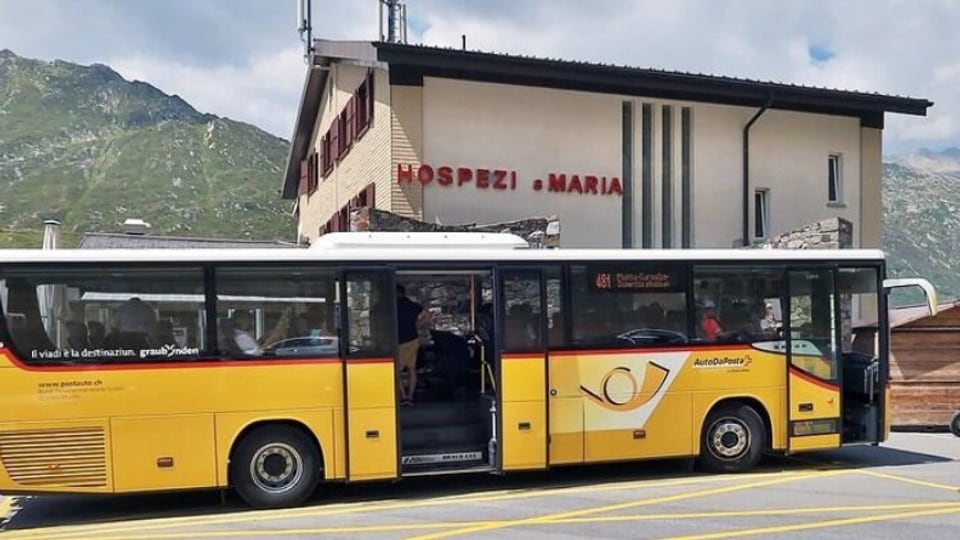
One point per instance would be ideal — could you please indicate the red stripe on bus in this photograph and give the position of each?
(369, 361)
(523, 356)
(814, 380)
(179, 364)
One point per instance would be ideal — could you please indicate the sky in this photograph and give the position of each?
(244, 59)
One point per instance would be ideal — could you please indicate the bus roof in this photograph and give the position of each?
(96, 256)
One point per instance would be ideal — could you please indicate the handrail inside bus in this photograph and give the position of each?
(407, 240)
(928, 289)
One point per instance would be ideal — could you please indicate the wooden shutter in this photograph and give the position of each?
(304, 176)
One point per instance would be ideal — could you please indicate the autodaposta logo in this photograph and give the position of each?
(723, 362)
(641, 392)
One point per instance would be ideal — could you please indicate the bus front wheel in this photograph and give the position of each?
(275, 466)
(733, 439)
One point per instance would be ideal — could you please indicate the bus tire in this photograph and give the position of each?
(955, 424)
(275, 466)
(733, 439)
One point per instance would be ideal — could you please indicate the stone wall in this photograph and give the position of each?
(540, 232)
(833, 233)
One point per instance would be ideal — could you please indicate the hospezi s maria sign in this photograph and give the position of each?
(507, 180)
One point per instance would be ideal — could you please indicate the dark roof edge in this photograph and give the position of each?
(692, 86)
(306, 119)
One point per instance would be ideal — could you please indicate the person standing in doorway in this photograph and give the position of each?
(411, 318)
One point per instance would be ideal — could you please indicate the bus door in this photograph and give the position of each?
(522, 374)
(812, 327)
(369, 330)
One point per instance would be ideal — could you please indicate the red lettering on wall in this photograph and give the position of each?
(463, 176)
(404, 175)
(591, 184)
(615, 186)
(425, 174)
(557, 182)
(483, 178)
(503, 180)
(500, 180)
(445, 176)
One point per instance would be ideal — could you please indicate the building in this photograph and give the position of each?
(621, 156)
(924, 363)
(135, 235)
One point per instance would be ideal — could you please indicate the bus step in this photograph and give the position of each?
(444, 436)
(444, 458)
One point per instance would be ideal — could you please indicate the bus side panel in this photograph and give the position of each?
(814, 406)
(524, 415)
(371, 419)
(229, 426)
(566, 410)
(636, 404)
(60, 456)
(163, 452)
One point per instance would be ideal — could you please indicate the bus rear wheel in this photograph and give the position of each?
(733, 439)
(275, 467)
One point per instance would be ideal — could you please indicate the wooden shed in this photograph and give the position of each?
(924, 363)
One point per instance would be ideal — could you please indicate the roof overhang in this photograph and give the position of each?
(409, 64)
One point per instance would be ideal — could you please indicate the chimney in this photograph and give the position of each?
(51, 234)
(135, 226)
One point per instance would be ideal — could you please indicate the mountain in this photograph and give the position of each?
(85, 146)
(921, 229)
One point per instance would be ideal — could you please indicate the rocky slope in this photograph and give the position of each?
(81, 144)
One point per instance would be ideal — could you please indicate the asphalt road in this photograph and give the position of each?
(907, 488)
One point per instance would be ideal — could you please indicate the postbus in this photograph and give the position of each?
(272, 371)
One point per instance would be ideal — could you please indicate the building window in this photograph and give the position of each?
(761, 213)
(834, 180)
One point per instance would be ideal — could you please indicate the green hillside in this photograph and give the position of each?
(83, 145)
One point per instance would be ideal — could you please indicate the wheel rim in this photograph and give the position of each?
(276, 467)
(729, 439)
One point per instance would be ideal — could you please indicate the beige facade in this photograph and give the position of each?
(636, 170)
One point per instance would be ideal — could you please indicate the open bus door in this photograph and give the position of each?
(369, 374)
(814, 377)
(883, 334)
(522, 375)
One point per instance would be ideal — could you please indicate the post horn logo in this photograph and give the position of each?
(654, 377)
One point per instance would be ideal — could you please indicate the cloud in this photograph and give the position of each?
(240, 57)
(263, 91)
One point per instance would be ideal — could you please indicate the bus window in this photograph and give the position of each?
(859, 308)
(556, 333)
(95, 315)
(371, 330)
(628, 305)
(266, 312)
(738, 304)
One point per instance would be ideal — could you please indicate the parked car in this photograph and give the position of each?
(305, 346)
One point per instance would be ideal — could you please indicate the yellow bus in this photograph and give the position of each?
(379, 356)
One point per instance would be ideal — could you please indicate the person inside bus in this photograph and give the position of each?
(710, 325)
(412, 318)
(243, 333)
(133, 323)
(77, 335)
(96, 333)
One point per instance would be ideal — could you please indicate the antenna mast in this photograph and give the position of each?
(304, 26)
(396, 21)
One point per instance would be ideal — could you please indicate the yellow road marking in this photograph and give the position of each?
(6, 507)
(601, 519)
(909, 480)
(630, 504)
(822, 524)
(346, 508)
